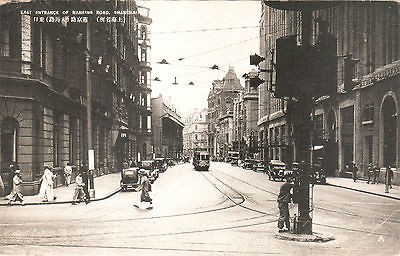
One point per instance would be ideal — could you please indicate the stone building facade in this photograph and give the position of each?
(51, 73)
(167, 129)
(195, 132)
(359, 123)
(220, 114)
(245, 117)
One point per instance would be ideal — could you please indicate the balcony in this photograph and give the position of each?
(24, 70)
(145, 65)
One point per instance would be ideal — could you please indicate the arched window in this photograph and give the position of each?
(9, 142)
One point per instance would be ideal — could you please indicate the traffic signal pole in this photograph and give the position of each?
(303, 133)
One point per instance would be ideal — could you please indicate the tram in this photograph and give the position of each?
(201, 160)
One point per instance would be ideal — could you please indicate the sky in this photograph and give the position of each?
(222, 33)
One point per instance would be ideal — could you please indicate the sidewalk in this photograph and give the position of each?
(105, 186)
(363, 186)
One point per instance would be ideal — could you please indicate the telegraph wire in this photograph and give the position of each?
(201, 30)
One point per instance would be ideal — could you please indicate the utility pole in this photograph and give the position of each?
(89, 112)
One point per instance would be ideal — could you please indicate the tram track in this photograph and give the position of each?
(356, 215)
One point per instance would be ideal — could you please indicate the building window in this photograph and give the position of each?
(143, 53)
(57, 133)
(9, 133)
(143, 32)
(72, 139)
(319, 127)
(149, 123)
(5, 43)
(369, 112)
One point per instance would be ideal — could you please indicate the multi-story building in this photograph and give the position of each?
(245, 117)
(195, 132)
(56, 76)
(359, 123)
(167, 129)
(220, 114)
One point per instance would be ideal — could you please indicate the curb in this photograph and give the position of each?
(315, 237)
(364, 191)
(67, 202)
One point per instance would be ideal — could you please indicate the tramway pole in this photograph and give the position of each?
(89, 113)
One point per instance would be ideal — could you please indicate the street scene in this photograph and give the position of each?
(199, 127)
(229, 211)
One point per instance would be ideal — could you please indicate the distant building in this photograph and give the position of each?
(220, 114)
(195, 132)
(245, 117)
(167, 129)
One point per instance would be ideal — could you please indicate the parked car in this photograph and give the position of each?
(161, 164)
(259, 166)
(248, 163)
(276, 170)
(150, 167)
(170, 161)
(129, 178)
(318, 174)
(234, 161)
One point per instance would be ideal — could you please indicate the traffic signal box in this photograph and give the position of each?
(287, 67)
(304, 70)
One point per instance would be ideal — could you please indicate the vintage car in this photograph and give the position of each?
(248, 163)
(161, 164)
(151, 169)
(259, 166)
(276, 170)
(318, 174)
(235, 161)
(129, 178)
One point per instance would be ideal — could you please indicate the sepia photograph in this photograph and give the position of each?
(199, 127)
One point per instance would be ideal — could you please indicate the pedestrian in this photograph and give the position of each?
(67, 174)
(370, 172)
(16, 194)
(376, 174)
(389, 176)
(284, 198)
(145, 187)
(12, 167)
(354, 171)
(85, 179)
(2, 190)
(79, 193)
(46, 191)
(125, 164)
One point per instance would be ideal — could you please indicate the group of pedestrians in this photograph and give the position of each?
(373, 174)
(47, 181)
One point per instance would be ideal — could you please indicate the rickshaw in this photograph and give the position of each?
(129, 178)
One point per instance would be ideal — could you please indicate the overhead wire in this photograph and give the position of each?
(202, 30)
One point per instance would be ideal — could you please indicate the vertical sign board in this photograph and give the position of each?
(91, 159)
(138, 156)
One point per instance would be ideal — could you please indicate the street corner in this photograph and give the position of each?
(314, 237)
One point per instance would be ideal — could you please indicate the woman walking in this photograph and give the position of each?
(16, 194)
(145, 187)
(46, 191)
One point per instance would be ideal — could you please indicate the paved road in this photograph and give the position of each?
(226, 211)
